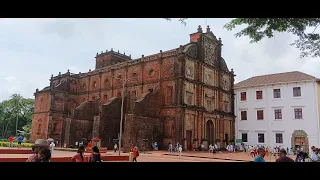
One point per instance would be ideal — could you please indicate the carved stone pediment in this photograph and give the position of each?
(211, 36)
(191, 50)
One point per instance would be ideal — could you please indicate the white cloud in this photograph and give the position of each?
(10, 78)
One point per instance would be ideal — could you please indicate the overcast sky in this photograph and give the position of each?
(33, 49)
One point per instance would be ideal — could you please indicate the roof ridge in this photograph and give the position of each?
(276, 78)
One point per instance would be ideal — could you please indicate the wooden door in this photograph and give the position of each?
(189, 140)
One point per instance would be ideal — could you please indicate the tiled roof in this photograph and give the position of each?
(294, 76)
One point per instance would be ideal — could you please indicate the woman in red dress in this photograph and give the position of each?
(135, 153)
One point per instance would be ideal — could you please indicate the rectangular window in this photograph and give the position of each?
(260, 138)
(243, 115)
(298, 113)
(93, 98)
(260, 114)
(296, 92)
(277, 114)
(276, 93)
(259, 95)
(243, 96)
(244, 137)
(105, 97)
(279, 138)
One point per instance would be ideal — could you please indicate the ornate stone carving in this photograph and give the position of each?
(191, 50)
(189, 71)
(226, 82)
(210, 52)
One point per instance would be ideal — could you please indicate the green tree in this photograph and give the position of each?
(308, 40)
(256, 29)
(16, 116)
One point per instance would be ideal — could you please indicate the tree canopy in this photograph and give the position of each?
(16, 116)
(308, 41)
(256, 29)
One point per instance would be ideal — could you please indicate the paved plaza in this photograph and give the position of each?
(164, 156)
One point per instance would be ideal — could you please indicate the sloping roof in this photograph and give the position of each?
(294, 76)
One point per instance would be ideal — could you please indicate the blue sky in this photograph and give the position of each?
(33, 49)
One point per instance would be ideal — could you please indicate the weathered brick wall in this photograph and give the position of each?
(39, 128)
(80, 129)
(109, 126)
(42, 102)
(148, 106)
(40, 117)
(176, 115)
(138, 128)
(87, 110)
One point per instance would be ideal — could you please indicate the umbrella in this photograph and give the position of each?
(50, 140)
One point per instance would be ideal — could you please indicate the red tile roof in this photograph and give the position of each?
(294, 76)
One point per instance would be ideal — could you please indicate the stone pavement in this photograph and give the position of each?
(164, 156)
(220, 156)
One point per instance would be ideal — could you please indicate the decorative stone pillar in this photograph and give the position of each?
(50, 127)
(95, 129)
(67, 125)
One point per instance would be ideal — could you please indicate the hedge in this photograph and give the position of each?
(15, 144)
(6, 140)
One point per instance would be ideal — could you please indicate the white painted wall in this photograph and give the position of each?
(269, 126)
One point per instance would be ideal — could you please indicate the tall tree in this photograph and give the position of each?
(15, 115)
(256, 29)
(17, 105)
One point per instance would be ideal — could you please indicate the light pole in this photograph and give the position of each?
(121, 120)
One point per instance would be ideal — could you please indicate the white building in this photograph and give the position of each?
(278, 110)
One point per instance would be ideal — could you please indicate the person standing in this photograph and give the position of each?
(170, 147)
(180, 150)
(260, 156)
(283, 156)
(115, 147)
(20, 139)
(135, 153)
(214, 151)
(96, 156)
(52, 145)
(79, 157)
(267, 151)
(10, 140)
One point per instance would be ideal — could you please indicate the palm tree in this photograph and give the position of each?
(26, 131)
(16, 103)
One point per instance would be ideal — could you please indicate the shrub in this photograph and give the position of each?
(15, 144)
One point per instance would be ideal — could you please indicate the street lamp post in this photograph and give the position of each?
(121, 120)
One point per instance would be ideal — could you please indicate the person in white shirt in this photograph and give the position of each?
(52, 145)
(180, 150)
(210, 148)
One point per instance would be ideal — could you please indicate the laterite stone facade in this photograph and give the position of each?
(182, 95)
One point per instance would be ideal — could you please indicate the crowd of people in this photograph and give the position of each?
(259, 154)
(43, 152)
